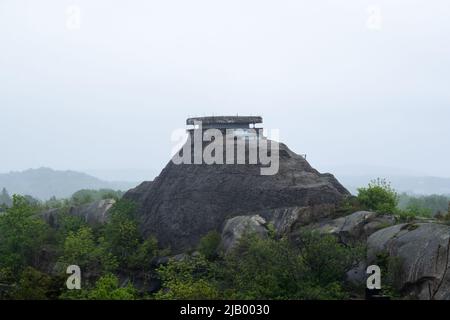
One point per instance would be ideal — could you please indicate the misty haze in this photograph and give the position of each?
(93, 92)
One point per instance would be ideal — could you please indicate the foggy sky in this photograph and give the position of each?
(108, 95)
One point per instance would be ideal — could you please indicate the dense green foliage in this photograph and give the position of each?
(87, 196)
(379, 196)
(5, 199)
(209, 244)
(431, 205)
(106, 288)
(264, 269)
(116, 260)
(34, 285)
(34, 257)
(90, 254)
(22, 234)
(191, 278)
(82, 197)
(113, 255)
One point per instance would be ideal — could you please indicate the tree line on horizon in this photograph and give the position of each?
(80, 197)
(424, 205)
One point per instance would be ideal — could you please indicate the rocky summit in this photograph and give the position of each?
(186, 201)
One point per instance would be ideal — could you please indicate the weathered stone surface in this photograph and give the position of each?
(357, 275)
(287, 220)
(187, 201)
(355, 227)
(136, 194)
(423, 251)
(93, 213)
(236, 227)
(96, 212)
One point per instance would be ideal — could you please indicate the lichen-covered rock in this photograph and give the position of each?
(236, 227)
(187, 201)
(423, 251)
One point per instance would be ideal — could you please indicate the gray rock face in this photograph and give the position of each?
(357, 275)
(236, 227)
(287, 220)
(92, 213)
(96, 212)
(356, 227)
(423, 250)
(136, 194)
(187, 201)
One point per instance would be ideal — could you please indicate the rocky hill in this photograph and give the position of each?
(186, 201)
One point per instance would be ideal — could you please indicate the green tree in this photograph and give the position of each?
(22, 235)
(209, 245)
(80, 248)
(124, 241)
(264, 269)
(417, 210)
(277, 269)
(121, 232)
(33, 285)
(5, 199)
(68, 223)
(142, 258)
(85, 196)
(424, 205)
(82, 197)
(379, 196)
(106, 288)
(188, 279)
(32, 201)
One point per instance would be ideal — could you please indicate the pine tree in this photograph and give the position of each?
(5, 199)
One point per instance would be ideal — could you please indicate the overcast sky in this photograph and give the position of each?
(351, 83)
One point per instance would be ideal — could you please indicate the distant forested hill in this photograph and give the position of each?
(402, 183)
(44, 183)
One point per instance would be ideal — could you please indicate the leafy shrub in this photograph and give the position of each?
(209, 245)
(106, 288)
(86, 196)
(80, 248)
(264, 269)
(33, 285)
(142, 257)
(348, 205)
(188, 279)
(5, 199)
(379, 196)
(22, 235)
(392, 271)
(271, 269)
(124, 241)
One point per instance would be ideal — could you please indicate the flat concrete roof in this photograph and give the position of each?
(225, 120)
